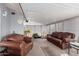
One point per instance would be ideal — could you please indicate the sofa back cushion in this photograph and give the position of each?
(62, 35)
(27, 39)
(18, 38)
(57, 35)
(15, 37)
(72, 35)
(15, 40)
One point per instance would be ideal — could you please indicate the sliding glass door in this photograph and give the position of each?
(60, 27)
(57, 27)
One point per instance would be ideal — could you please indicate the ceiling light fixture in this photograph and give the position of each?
(23, 13)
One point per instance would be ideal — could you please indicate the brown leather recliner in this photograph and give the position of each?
(17, 44)
(60, 39)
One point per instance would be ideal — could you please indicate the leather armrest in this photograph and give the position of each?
(27, 39)
(55, 39)
(10, 44)
(14, 40)
(66, 40)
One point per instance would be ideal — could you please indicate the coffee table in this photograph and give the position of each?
(74, 45)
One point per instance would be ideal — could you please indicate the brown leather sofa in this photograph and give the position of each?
(16, 44)
(61, 39)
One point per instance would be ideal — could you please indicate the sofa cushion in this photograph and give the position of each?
(27, 39)
(13, 39)
(58, 35)
(54, 34)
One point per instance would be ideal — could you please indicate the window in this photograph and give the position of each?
(52, 28)
(59, 27)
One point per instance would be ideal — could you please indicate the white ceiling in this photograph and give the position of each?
(46, 13)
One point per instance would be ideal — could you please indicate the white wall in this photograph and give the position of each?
(72, 26)
(56, 27)
(18, 28)
(5, 21)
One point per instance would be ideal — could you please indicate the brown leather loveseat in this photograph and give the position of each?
(60, 39)
(17, 44)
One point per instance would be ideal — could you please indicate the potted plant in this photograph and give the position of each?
(26, 32)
